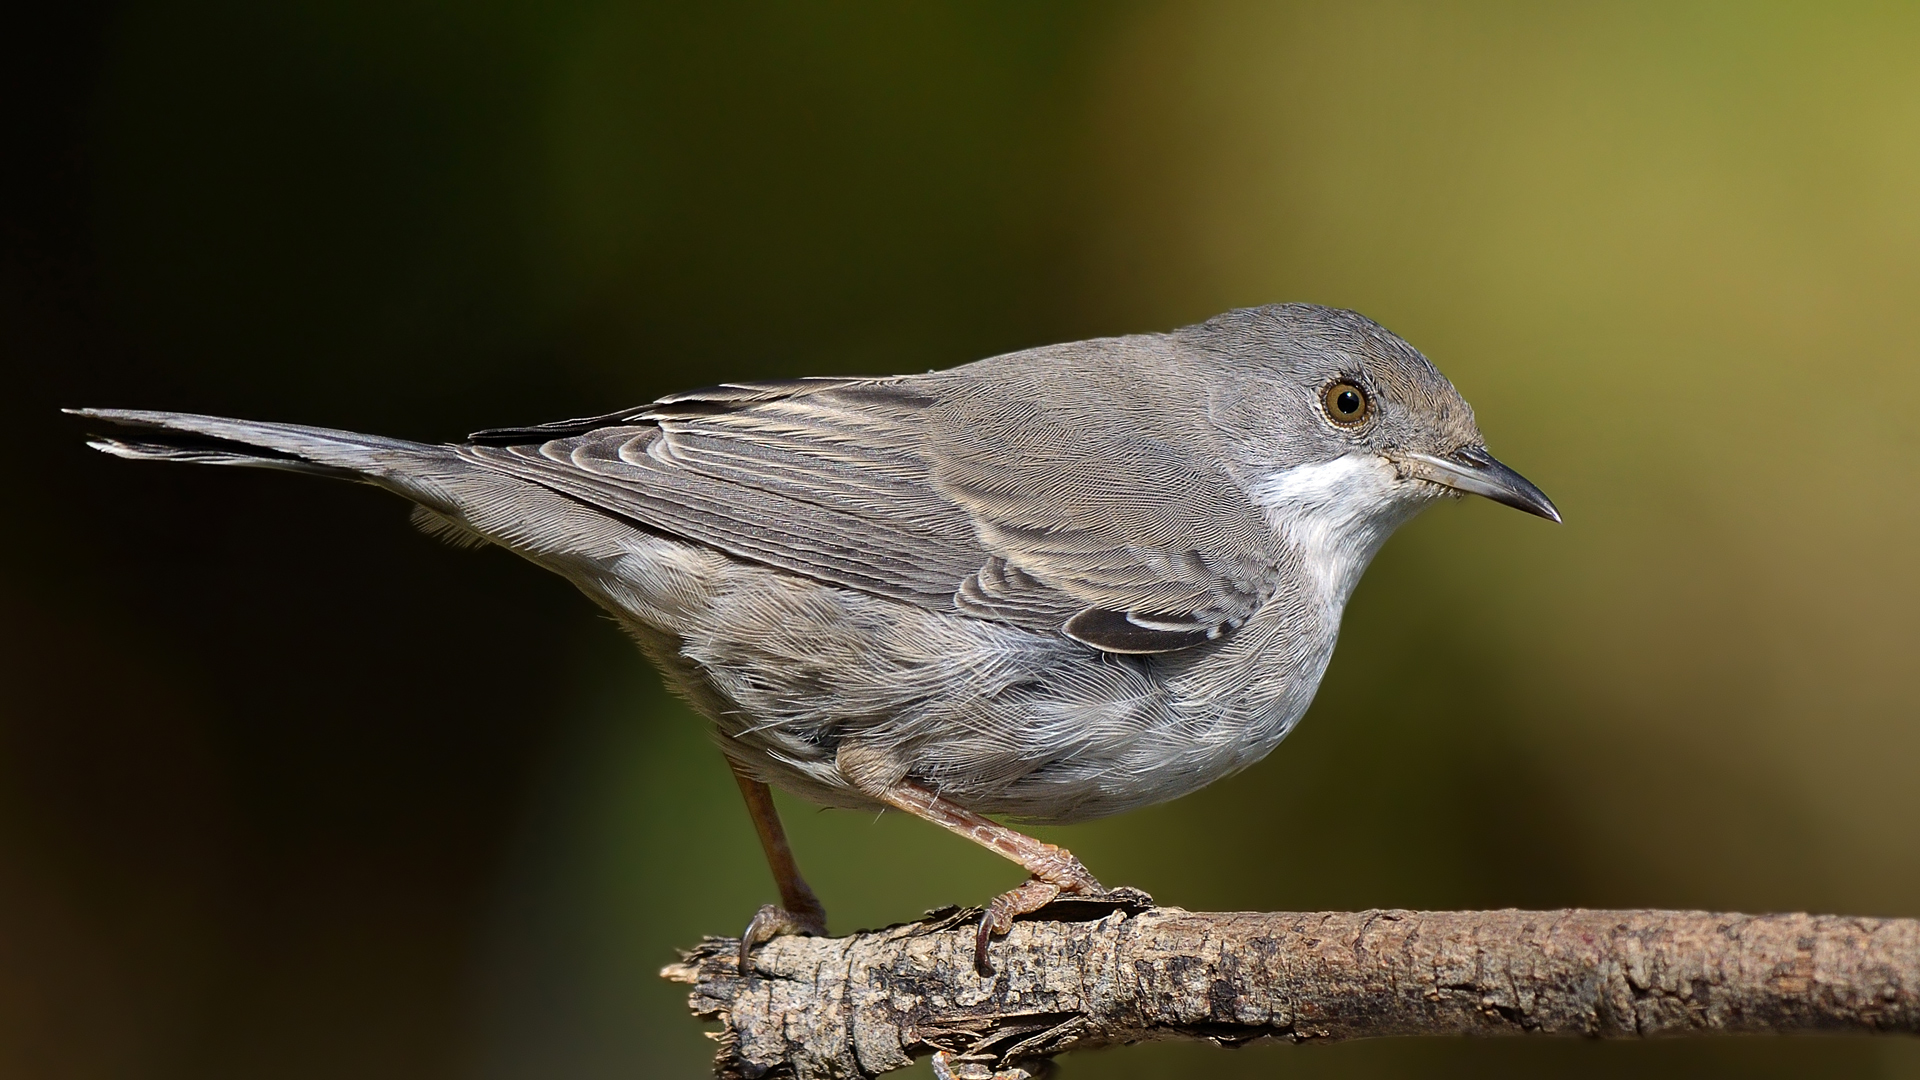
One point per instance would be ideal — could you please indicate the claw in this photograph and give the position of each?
(771, 922)
(982, 938)
(1069, 904)
(1023, 899)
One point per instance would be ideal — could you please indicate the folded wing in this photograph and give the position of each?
(1049, 515)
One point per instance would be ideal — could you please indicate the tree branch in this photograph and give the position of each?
(862, 1005)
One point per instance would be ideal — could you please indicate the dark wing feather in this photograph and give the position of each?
(926, 491)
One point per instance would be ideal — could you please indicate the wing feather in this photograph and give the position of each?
(1005, 503)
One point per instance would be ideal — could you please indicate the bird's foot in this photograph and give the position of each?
(1058, 874)
(773, 921)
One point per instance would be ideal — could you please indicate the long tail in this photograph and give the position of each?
(456, 499)
(431, 476)
(217, 440)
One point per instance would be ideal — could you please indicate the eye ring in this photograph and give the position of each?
(1346, 403)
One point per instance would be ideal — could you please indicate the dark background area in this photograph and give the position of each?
(288, 790)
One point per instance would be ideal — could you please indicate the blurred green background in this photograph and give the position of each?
(288, 790)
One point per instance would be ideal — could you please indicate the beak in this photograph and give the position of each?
(1474, 470)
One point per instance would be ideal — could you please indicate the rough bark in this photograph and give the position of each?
(868, 1003)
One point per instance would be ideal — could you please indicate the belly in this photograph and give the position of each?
(998, 719)
(1221, 708)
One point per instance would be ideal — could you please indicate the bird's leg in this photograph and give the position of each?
(1054, 868)
(799, 911)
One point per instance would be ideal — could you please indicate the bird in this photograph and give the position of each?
(1047, 586)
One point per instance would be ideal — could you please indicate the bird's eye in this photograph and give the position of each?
(1346, 404)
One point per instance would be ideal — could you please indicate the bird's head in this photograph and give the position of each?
(1317, 403)
(1341, 431)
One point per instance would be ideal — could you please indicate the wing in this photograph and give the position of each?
(928, 490)
(1143, 545)
(822, 480)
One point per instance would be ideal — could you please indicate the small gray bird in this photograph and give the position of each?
(1055, 584)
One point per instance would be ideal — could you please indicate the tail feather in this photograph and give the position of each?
(218, 440)
(458, 500)
(212, 455)
(416, 471)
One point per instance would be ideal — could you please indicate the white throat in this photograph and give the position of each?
(1336, 514)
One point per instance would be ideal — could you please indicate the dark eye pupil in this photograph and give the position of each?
(1347, 402)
